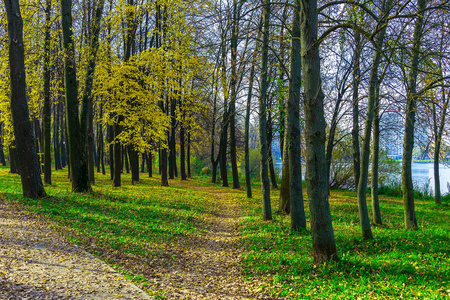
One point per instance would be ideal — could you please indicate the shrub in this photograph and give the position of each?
(206, 171)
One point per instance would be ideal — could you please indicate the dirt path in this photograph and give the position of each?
(38, 263)
(208, 266)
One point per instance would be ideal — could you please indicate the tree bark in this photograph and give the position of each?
(273, 178)
(248, 182)
(366, 230)
(324, 245)
(438, 131)
(376, 213)
(32, 186)
(77, 153)
(233, 88)
(285, 197)
(134, 164)
(292, 130)
(408, 143)
(47, 104)
(355, 109)
(265, 183)
(12, 159)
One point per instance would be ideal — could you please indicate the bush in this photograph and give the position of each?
(206, 171)
(197, 165)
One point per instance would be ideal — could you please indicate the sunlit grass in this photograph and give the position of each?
(134, 223)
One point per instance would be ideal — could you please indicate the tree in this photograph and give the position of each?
(47, 103)
(408, 141)
(297, 210)
(366, 230)
(77, 153)
(265, 183)
(32, 186)
(324, 245)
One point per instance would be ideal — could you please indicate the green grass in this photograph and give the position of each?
(123, 225)
(128, 225)
(397, 263)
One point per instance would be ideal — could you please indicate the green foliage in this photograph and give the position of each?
(255, 163)
(197, 165)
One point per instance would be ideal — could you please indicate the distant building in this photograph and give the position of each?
(391, 133)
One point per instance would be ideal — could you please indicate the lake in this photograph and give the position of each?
(424, 172)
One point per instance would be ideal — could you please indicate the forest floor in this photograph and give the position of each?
(36, 262)
(209, 265)
(186, 245)
(198, 240)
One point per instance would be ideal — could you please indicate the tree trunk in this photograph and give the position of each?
(12, 159)
(32, 186)
(150, 164)
(265, 183)
(364, 172)
(47, 104)
(408, 143)
(77, 153)
(125, 158)
(375, 158)
(437, 143)
(117, 161)
(355, 109)
(144, 159)
(172, 142)
(189, 155)
(233, 88)
(324, 245)
(285, 197)
(273, 178)
(63, 142)
(56, 144)
(292, 130)
(91, 146)
(182, 154)
(163, 162)
(110, 138)
(134, 164)
(248, 182)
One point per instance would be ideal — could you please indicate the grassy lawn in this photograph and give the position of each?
(131, 228)
(396, 264)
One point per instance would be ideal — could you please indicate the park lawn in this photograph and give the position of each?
(395, 264)
(128, 227)
(133, 224)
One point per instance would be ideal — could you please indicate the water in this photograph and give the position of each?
(424, 172)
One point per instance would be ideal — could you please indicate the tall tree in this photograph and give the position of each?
(265, 183)
(324, 245)
(87, 115)
(298, 219)
(366, 230)
(77, 153)
(233, 87)
(47, 102)
(408, 140)
(32, 186)
(355, 108)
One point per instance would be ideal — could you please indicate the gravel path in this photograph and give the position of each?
(38, 263)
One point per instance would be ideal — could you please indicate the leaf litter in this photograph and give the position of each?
(36, 262)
